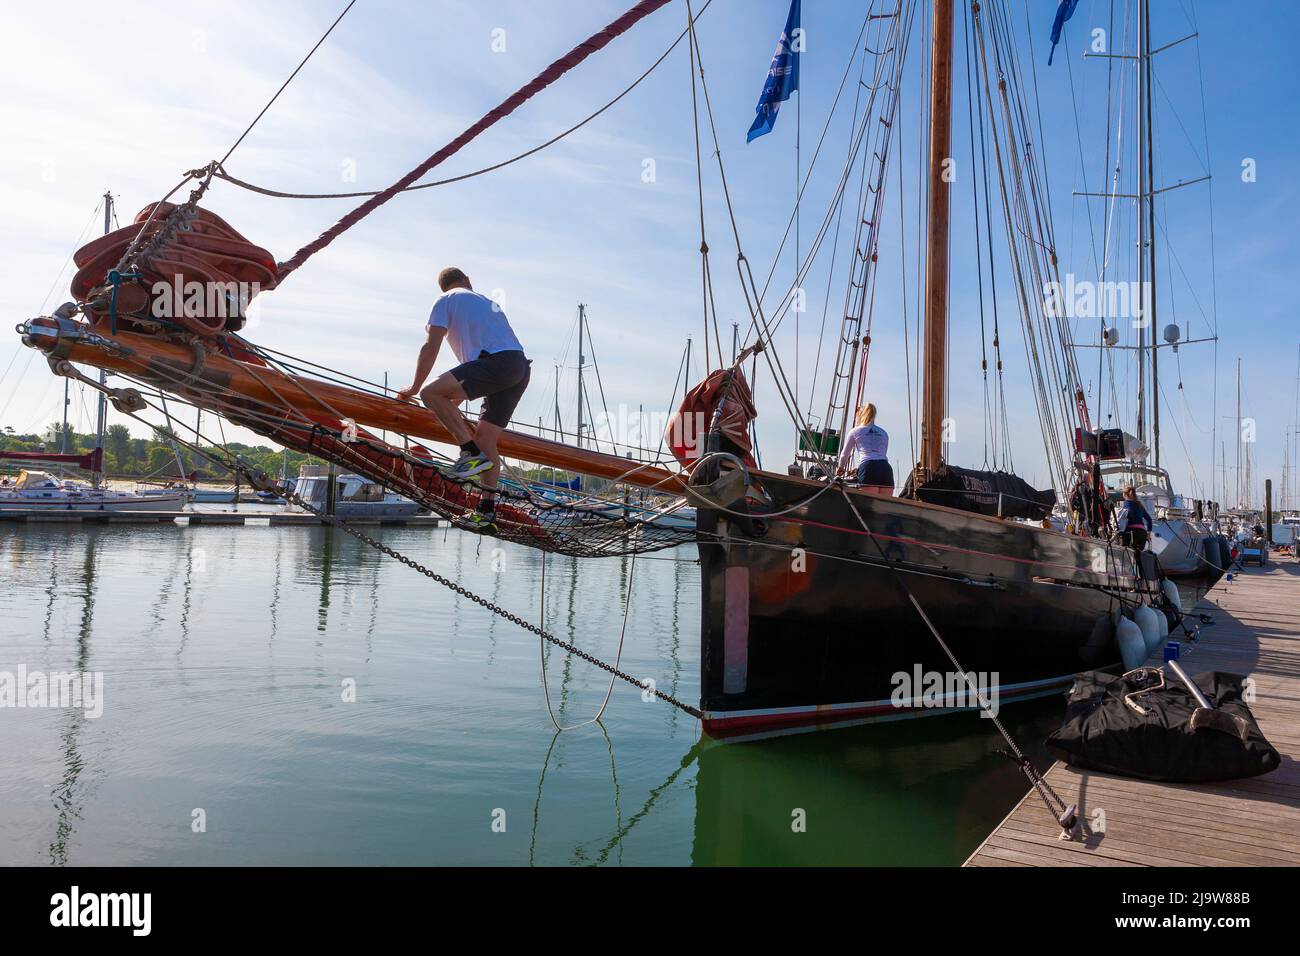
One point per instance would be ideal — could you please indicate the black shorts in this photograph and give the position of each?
(499, 378)
(875, 472)
(1135, 538)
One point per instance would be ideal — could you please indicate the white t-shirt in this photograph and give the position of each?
(864, 443)
(474, 324)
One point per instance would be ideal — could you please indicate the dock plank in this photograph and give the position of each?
(1255, 630)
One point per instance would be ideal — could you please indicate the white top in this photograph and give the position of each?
(864, 443)
(474, 324)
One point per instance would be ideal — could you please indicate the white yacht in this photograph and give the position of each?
(1184, 544)
(39, 491)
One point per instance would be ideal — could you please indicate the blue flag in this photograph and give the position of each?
(782, 75)
(1063, 13)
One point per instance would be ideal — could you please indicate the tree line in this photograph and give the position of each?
(153, 457)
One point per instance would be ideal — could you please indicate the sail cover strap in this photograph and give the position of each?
(544, 79)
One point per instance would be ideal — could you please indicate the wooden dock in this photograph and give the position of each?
(1253, 822)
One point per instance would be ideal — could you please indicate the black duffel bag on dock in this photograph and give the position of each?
(1148, 724)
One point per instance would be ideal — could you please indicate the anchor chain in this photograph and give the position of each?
(260, 480)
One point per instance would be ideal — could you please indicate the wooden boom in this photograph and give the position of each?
(203, 377)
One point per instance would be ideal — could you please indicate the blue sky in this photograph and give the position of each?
(578, 222)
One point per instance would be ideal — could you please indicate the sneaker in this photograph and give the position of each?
(478, 522)
(467, 466)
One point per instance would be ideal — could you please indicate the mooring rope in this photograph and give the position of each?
(618, 653)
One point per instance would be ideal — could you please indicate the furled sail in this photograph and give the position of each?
(190, 271)
(985, 492)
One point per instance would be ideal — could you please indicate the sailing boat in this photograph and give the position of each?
(659, 510)
(38, 492)
(816, 595)
(34, 491)
(1182, 536)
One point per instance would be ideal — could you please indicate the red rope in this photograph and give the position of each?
(513, 102)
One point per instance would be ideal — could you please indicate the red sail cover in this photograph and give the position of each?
(91, 461)
(201, 278)
(691, 425)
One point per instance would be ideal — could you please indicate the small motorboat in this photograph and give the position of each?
(354, 496)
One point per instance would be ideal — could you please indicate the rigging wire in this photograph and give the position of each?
(835, 244)
(94, 214)
(860, 289)
(706, 278)
(1214, 270)
(544, 79)
(286, 83)
(278, 194)
(979, 256)
(792, 220)
(748, 286)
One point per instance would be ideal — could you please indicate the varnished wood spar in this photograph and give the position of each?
(1252, 822)
(936, 253)
(166, 364)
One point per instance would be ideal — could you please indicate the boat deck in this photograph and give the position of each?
(1253, 822)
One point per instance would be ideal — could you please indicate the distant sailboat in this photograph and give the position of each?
(1183, 538)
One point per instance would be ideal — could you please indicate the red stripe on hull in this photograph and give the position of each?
(813, 717)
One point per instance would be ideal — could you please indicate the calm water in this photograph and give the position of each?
(227, 652)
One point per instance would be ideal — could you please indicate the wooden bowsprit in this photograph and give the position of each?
(337, 423)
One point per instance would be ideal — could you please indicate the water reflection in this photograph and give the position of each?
(223, 648)
(916, 792)
(67, 793)
(579, 856)
(623, 829)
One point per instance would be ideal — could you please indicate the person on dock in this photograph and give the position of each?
(1132, 521)
(866, 453)
(492, 367)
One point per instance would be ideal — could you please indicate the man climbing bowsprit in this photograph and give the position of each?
(492, 367)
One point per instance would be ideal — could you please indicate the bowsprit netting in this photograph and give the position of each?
(549, 520)
(637, 510)
(545, 517)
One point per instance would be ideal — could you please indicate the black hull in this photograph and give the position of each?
(784, 647)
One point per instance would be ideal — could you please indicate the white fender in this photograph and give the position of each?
(1171, 593)
(1132, 649)
(1147, 619)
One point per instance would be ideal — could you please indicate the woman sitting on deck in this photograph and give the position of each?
(866, 454)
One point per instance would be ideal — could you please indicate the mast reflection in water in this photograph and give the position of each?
(321, 705)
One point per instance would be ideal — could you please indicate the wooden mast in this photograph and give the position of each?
(934, 405)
